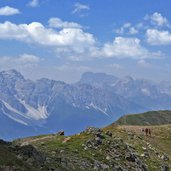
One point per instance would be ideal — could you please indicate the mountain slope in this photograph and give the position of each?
(148, 118)
(10, 160)
(111, 148)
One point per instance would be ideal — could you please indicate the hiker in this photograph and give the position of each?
(149, 132)
(146, 131)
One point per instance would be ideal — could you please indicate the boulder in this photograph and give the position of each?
(130, 157)
(60, 133)
(165, 157)
(98, 140)
(92, 130)
(109, 133)
(165, 168)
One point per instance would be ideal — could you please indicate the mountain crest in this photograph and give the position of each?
(12, 74)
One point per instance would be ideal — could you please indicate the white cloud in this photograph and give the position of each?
(7, 11)
(127, 28)
(74, 43)
(157, 19)
(127, 48)
(22, 61)
(144, 64)
(27, 58)
(79, 8)
(157, 37)
(65, 40)
(33, 3)
(58, 23)
(133, 30)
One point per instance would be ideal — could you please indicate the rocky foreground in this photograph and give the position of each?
(115, 148)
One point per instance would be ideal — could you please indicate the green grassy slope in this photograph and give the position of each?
(9, 160)
(125, 148)
(74, 155)
(148, 118)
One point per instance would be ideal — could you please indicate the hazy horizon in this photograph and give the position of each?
(79, 77)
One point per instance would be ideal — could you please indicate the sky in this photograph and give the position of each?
(61, 39)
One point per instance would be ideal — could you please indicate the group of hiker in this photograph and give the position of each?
(147, 131)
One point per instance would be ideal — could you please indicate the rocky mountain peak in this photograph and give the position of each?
(11, 75)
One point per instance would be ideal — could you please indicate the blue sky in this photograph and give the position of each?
(61, 39)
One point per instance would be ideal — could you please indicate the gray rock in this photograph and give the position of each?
(60, 133)
(165, 157)
(130, 157)
(100, 166)
(109, 133)
(98, 140)
(165, 168)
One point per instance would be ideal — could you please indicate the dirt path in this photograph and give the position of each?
(135, 129)
(30, 141)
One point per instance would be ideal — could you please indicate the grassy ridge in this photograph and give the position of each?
(148, 118)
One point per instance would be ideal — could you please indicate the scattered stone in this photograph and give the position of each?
(85, 148)
(130, 157)
(61, 151)
(145, 154)
(100, 166)
(108, 158)
(29, 152)
(165, 168)
(144, 148)
(98, 140)
(165, 157)
(157, 153)
(100, 135)
(109, 133)
(118, 168)
(92, 130)
(142, 155)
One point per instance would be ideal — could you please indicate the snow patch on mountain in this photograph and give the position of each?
(10, 108)
(35, 114)
(145, 91)
(97, 108)
(10, 115)
(16, 120)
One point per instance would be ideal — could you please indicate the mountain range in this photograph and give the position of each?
(45, 106)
